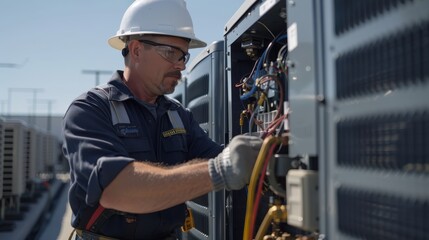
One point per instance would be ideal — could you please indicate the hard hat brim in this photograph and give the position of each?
(117, 43)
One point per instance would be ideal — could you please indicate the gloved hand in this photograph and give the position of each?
(232, 168)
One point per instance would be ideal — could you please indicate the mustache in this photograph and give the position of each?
(176, 74)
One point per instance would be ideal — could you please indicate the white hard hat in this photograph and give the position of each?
(160, 17)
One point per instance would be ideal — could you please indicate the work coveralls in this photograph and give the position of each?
(97, 150)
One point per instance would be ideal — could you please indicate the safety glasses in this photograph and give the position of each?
(170, 53)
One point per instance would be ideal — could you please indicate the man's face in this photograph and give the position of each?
(160, 63)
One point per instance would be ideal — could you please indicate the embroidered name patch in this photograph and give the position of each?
(173, 131)
(127, 130)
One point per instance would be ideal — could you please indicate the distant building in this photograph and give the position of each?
(49, 124)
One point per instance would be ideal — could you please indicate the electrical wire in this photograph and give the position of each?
(243, 82)
(265, 26)
(279, 116)
(254, 86)
(272, 126)
(270, 142)
(248, 75)
(281, 56)
(266, 144)
(275, 125)
(259, 190)
(252, 117)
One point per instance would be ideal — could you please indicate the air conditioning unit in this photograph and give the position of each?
(180, 92)
(13, 157)
(41, 152)
(205, 99)
(30, 157)
(52, 150)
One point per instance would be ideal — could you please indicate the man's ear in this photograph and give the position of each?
(134, 48)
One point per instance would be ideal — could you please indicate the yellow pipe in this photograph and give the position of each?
(266, 144)
(275, 213)
(262, 99)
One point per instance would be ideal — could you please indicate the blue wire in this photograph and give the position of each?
(258, 69)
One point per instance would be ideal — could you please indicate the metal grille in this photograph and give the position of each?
(27, 155)
(389, 63)
(201, 222)
(198, 88)
(389, 142)
(350, 14)
(8, 162)
(1, 156)
(373, 215)
(201, 112)
(14, 161)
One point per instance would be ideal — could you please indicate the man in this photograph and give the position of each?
(135, 155)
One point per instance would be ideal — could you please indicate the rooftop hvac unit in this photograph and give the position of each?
(41, 152)
(180, 92)
(52, 151)
(13, 157)
(205, 90)
(30, 157)
(1, 155)
(45, 153)
(375, 128)
(205, 98)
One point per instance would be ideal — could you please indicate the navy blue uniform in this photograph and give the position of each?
(97, 150)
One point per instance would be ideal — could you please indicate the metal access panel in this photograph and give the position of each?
(13, 157)
(376, 134)
(205, 98)
(303, 75)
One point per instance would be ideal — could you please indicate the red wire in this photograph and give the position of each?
(275, 124)
(259, 190)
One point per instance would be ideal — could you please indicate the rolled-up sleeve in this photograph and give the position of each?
(95, 153)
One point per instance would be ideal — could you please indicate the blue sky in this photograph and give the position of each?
(52, 41)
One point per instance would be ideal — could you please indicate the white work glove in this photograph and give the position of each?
(232, 168)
